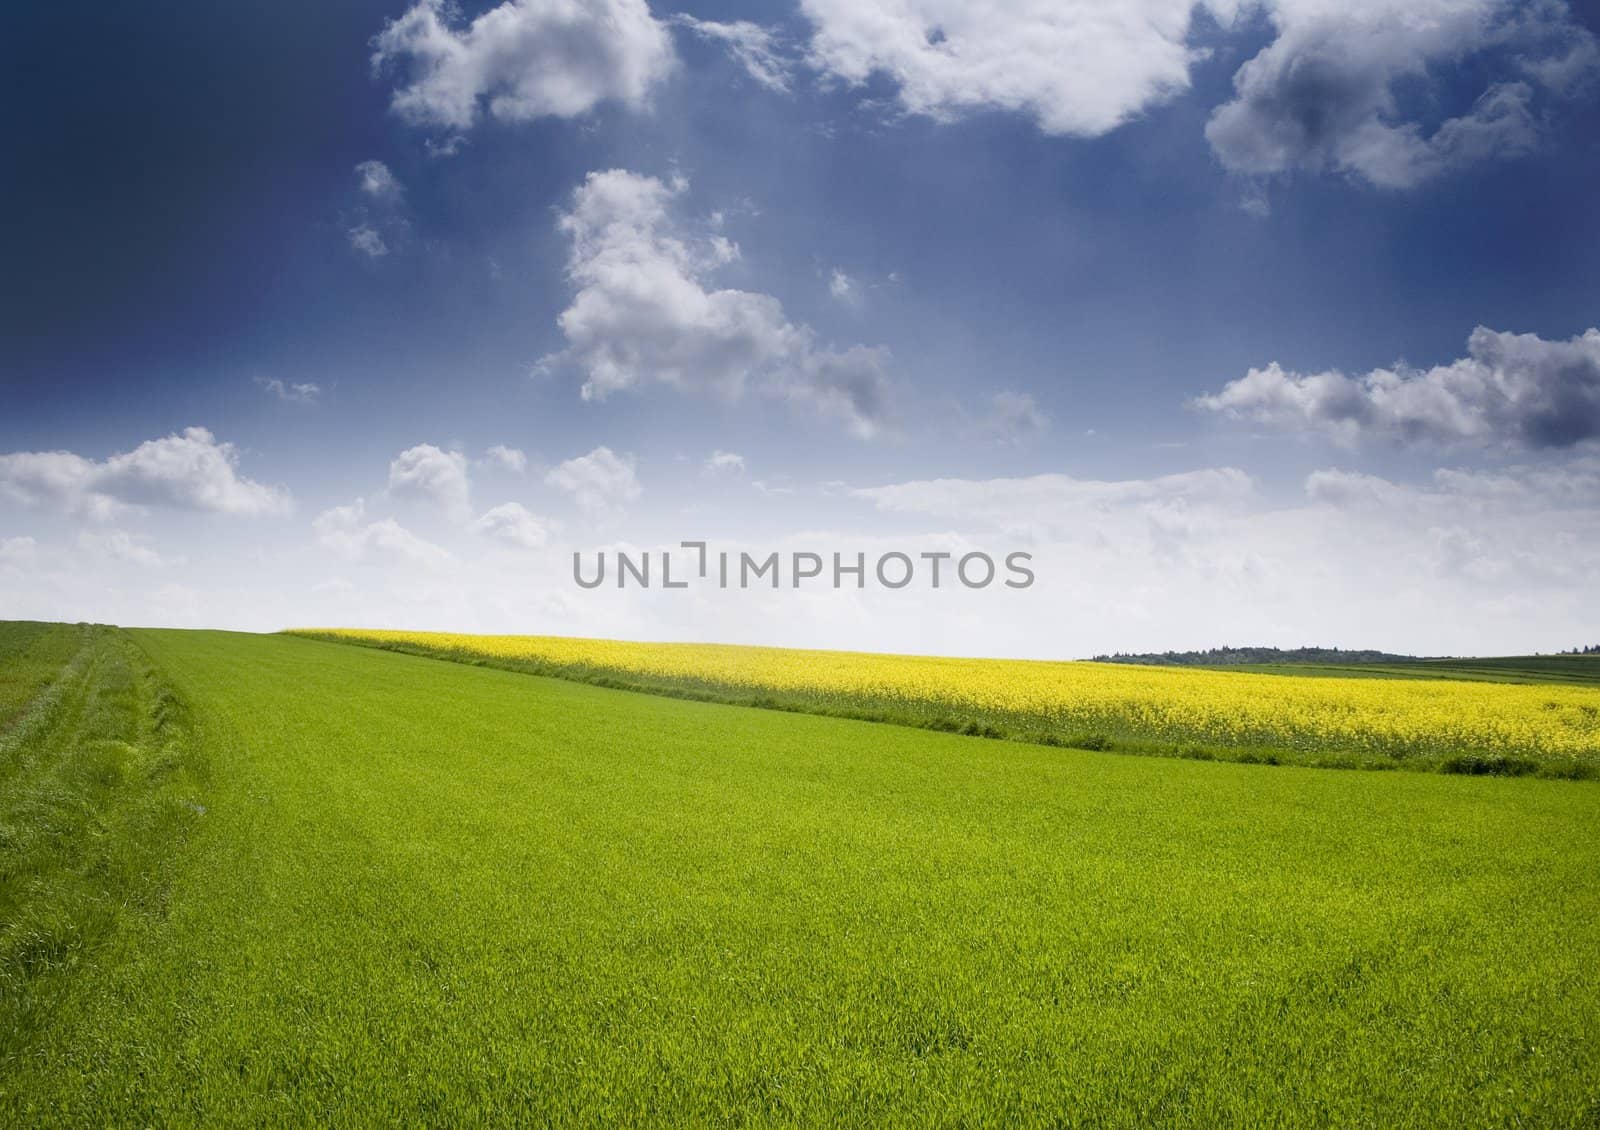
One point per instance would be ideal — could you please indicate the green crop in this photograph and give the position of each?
(427, 893)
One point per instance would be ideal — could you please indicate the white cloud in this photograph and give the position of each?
(723, 463)
(1351, 488)
(61, 477)
(843, 288)
(599, 481)
(641, 312)
(346, 531)
(644, 311)
(1013, 418)
(752, 46)
(1518, 528)
(1510, 390)
(1576, 481)
(507, 458)
(1467, 563)
(1321, 95)
(366, 239)
(511, 523)
(1471, 560)
(378, 182)
(119, 545)
(522, 60)
(187, 471)
(425, 472)
(1079, 67)
(300, 392)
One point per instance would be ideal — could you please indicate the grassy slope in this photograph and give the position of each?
(432, 892)
(97, 783)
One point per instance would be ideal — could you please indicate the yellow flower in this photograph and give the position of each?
(1397, 716)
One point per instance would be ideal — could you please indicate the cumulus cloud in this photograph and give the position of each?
(1510, 389)
(512, 524)
(185, 471)
(378, 182)
(522, 60)
(1323, 94)
(842, 287)
(506, 458)
(752, 46)
(346, 531)
(300, 392)
(599, 482)
(723, 463)
(645, 311)
(1013, 418)
(428, 473)
(1077, 67)
(641, 311)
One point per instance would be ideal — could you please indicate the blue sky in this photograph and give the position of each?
(933, 272)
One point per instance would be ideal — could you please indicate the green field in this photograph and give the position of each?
(1569, 670)
(394, 890)
(1378, 720)
(98, 782)
(31, 655)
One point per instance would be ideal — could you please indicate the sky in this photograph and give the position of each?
(1249, 323)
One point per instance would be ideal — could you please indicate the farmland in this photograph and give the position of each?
(31, 656)
(98, 783)
(1572, 670)
(1313, 719)
(1578, 668)
(409, 891)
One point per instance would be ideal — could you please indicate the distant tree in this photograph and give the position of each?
(1227, 656)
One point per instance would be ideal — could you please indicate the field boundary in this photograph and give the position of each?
(1465, 762)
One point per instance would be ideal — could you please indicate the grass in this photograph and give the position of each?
(431, 893)
(98, 781)
(1197, 713)
(1556, 670)
(31, 656)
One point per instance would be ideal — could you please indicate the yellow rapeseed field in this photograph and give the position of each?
(1394, 717)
